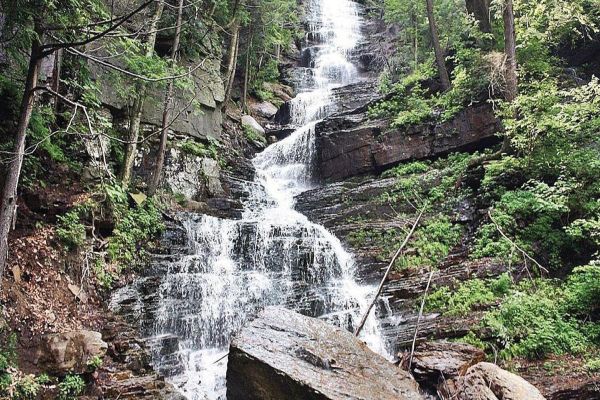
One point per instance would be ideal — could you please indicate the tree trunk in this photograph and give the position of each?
(167, 104)
(9, 194)
(247, 71)
(138, 103)
(232, 63)
(416, 46)
(437, 48)
(510, 51)
(481, 11)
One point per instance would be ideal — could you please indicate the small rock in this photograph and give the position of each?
(78, 293)
(16, 271)
(249, 122)
(263, 109)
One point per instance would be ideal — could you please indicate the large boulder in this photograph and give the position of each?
(487, 381)
(285, 355)
(62, 353)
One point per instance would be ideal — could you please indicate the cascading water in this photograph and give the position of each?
(273, 255)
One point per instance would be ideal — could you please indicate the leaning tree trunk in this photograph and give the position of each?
(510, 51)
(437, 48)
(232, 62)
(138, 103)
(9, 194)
(247, 71)
(162, 148)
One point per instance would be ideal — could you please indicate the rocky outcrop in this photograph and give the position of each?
(351, 145)
(487, 381)
(284, 355)
(68, 352)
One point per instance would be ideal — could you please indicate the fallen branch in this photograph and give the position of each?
(412, 350)
(387, 273)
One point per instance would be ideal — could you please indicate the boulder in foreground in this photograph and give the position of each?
(285, 355)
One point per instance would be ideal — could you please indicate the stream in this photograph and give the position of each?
(273, 255)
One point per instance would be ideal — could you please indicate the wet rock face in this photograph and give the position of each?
(284, 355)
(351, 145)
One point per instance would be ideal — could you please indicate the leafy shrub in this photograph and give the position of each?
(94, 363)
(582, 294)
(432, 242)
(71, 387)
(530, 217)
(531, 323)
(593, 365)
(70, 231)
(252, 135)
(469, 295)
(133, 228)
(414, 167)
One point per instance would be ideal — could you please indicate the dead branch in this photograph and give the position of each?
(412, 350)
(387, 273)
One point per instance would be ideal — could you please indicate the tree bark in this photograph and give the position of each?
(162, 148)
(232, 62)
(9, 194)
(437, 48)
(138, 103)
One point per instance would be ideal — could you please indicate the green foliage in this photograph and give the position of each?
(530, 323)
(468, 295)
(432, 242)
(253, 136)
(593, 365)
(70, 230)
(531, 218)
(71, 387)
(200, 149)
(14, 384)
(94, 363)
(435, 187)
(104, 276)
(134, 227)
(582, 294)
(415, 167)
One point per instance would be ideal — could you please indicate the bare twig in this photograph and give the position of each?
(412, 349)
(387, 273)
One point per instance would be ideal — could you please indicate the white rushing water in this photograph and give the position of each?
(273, 255)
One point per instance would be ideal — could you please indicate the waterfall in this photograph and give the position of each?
(273, 255)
